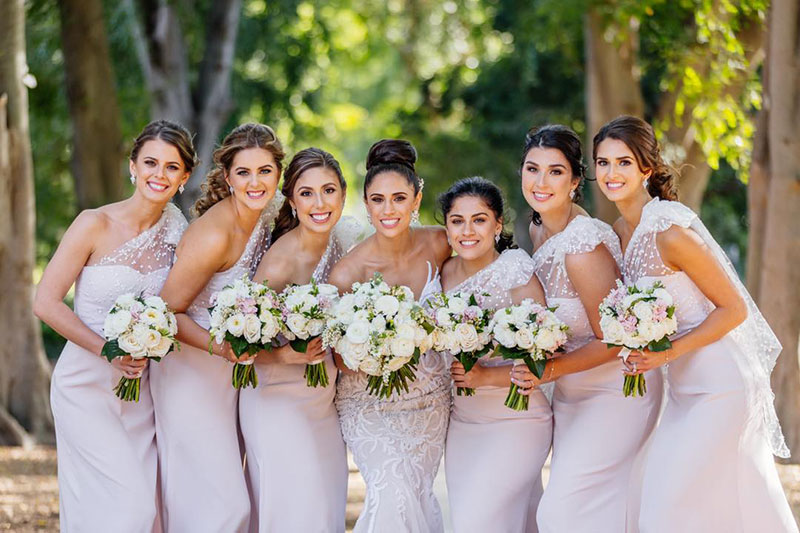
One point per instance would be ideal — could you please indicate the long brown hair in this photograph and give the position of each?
(302, 161)
(640, 138)
(169, 132)
(242, 137)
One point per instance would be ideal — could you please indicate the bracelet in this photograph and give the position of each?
(666, 357)
(552, 369)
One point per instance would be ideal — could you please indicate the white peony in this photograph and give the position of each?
(505, 336)
(362, 315)
(252, 329)
(443, 317)
(326, 289)
(226, 298)
(388, 305)
(154, 317)
(402, 347)
(456, 305)
(663, 296)
(156, 303)
(126, 300)
(378, 324)
(116, 323)
(547, 340)
(519, 315)
(358, 332)
(235, 325)
(406, 331)
(152, 339)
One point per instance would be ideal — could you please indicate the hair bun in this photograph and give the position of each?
(392, 152)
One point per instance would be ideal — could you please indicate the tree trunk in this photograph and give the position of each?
(612, 88)
(779, 291)
(757, 189)
(204, 108)
(97, 152)
(24, 370)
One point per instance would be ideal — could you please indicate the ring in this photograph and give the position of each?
(634, 368)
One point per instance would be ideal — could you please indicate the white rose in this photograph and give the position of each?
(397, 363)
(172, 325)
(402, 347)
(524, 338)
(153, 339)
(419, 335)
(142, 333)
(155, 318)
(467, 337)
(613, 332)
(125, 300)
(519, 315)
(116, 323)
(226, 298)
(297, 324)
(388, 305)
(307, 302)
(252, 329)
(378, 324)
(505, 336)
(361, 298)
(643, 311)
(546, 340)
(315, 327)
(326, 289)
(362, 315)
(443, 317)
(130, 345)
(425, 343)
(407, 331)
(502, 317)
(370, 366)
(630, 299)
(162, 348)
(456, 305)
(235, 325)
(155, 302)
(358, 332)
(663, 296)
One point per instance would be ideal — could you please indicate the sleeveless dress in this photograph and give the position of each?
(200, 461)
(494, 455)
(709, 467)
(597, 432)
(105, 446)
(296, 460)
(398, 443)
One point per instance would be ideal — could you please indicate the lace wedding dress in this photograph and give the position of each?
(494, 455)
(106, 447)
(200, 462)
(397, 443)
(296, 460)
(597, 431)
(709, 467)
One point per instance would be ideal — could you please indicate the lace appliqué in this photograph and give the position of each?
(758, 346)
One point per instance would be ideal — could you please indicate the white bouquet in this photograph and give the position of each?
(635, 317)
(248, 316)
(305, 309)
(142, 327)
(461, 327)
(379, 330)
(530, 333)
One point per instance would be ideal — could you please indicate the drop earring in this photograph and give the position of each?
(497, 238)
(572, 194)
(294, 213)
(646, 182)
(133, 179)
(230, 188)
(181, 188)
(369, 218)
(415, 217)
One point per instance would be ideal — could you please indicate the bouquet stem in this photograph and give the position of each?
(316, 375)
(515, 400)
(634, 386)
(465, 391)
(127, 389)
(395, 381)
(244, 375)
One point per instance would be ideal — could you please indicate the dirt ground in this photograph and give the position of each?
(29, 490)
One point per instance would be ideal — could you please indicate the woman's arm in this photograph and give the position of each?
(481, 376)
(533, 289)
(682, 249)
(73, 252)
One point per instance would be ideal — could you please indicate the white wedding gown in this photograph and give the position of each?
(397, 443)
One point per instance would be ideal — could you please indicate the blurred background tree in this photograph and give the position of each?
(463, 79)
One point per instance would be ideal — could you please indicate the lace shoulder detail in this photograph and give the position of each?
(348, 232)
(659, 215)
(511, 269)
(175, 224)
(270, 212)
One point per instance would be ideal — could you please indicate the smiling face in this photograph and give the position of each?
(318, 198)
(472, 227)
(617, 171)
(547, 179)
(254, 177)
(159, 171)
(390, 202)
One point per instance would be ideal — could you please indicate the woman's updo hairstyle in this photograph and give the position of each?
(169, 132)
(392, 155)
(565, 141)
(302, 161)
(487, 191)
(640, 138)
(241, 138)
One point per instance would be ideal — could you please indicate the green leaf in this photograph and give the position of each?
(111, 350)
(299, 345)
(660, 345)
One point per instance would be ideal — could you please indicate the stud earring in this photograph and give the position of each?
(181, 188)
(133, 179)
(415, 217)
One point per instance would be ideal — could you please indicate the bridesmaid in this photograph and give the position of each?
(200, 463)
(106, 447)
(298, 474)
(709, 466)
(494, 455)
(576, 258)
(398, 442)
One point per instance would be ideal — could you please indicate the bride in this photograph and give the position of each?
(397, 443)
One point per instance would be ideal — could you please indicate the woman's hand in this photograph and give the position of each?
(471, 380)
(225, 351)
(288, 356)
(524, 379)
(644, 360)
(131, 368)
(343, 368)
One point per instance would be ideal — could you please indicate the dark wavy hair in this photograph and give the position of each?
(640, 138)
(487, 191)
(565, 141)
(302, 161)
(169, 132)
(392, 155)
